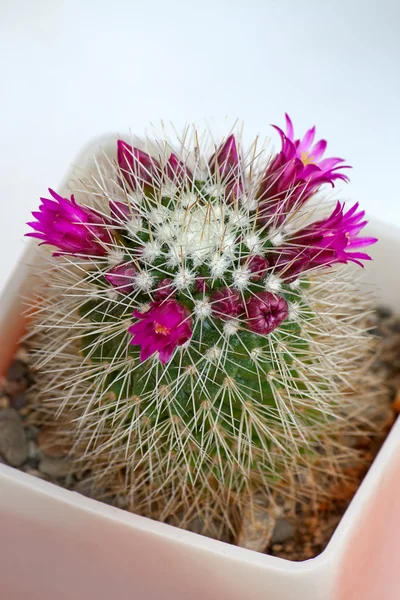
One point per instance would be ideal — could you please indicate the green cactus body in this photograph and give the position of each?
(258, 380)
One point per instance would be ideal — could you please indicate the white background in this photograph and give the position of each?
(73, 70)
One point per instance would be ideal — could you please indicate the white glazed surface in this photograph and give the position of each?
(58, 545)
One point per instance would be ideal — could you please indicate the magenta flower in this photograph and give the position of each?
(265, 312)
(257, 265)
(201, 285)
(139, 169)
(291, 262)
(177, 171)
(121, 277)
(161, 329)
(165, 289)
(120, 212)
(326, 242)
(295, 174)
(225, 162)
(226, 303)
(71, 228)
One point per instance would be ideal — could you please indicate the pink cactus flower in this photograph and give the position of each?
(71, 228)
(161, 329)
(332, 240)
(201, 286)
(177, 171)
(257, 265)
(226, 303)
(324, 243)
(265, 312)
(295, 174)
(120, 212)
(121, 277)
(139, 169)
(226, 163)
(291, 262)
(165, 289)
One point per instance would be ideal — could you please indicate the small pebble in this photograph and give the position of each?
(284, 530)
(384, 312)
(18, 401)
(54, 467)
(110, 499)
(33, 450)
(17, 378)
(14, 387)
(13, 444)
(69, 480)
(17, 371)
(375, 331)
(31, 432)
(22, 354)
(31, 463)
(290, 548)
(121, 501)
(256, 529)
(84, 487)
(34, 472)
(4, 402)
(395, 326)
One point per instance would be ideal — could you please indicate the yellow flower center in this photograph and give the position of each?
(306, 158)
(158, 328)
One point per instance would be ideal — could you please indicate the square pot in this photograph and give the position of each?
(58, 544)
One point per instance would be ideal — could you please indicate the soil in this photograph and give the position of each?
(295, 537)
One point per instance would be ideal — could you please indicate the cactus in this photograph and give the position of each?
(198, 334)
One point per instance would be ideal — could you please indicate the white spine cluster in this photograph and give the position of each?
(151, 251)
(184, 279)
(202, 309)
(143, 281)
(231, 327)
(115, 256)
(219, 263)
(241, 277)
(273, 283)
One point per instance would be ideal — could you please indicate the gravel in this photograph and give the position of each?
(13, 443)
(18, 401)
(54, 467)
(18, 371)
(35, 451)
(256, 529)
(284, 530)
(4, 402)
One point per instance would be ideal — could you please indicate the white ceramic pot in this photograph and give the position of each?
(59, 545)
